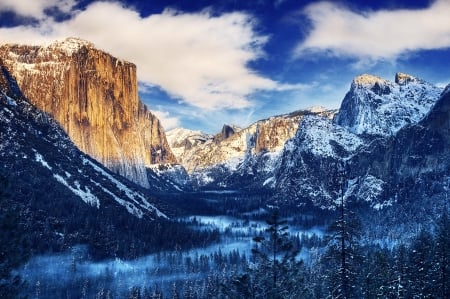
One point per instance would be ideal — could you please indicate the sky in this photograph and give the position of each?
(203, 63)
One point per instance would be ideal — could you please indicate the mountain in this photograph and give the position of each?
(377, 106)
(235, 156)
(183, 141)
(386, 134)
(376, 135)
(93, 96)
(64, 198)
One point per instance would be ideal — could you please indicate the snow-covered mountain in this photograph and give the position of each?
(65, 197)
(224, 159)
(377, 106)
(373, 115)
(372, 134)
(182, 141)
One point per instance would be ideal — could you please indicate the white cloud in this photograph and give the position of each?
(35, 8)
(198, 58)
(168, 122)
(375, 35)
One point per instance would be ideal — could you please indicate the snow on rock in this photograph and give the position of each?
(380, 107)
(138, 200)
(321, 137)
(173, 175)
(85, 194)
(367, 188)
(40, 159)
(70, 45)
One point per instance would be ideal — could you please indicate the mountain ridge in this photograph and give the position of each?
(94, 97)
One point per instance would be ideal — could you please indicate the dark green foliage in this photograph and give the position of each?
(13, 249)
(343, 257)
(422, 273)
(443, 256)
(275, 271)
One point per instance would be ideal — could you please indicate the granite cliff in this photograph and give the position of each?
(236, 156)
(94, 97)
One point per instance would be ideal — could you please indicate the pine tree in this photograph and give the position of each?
(400, 272)
(378, 276)
(275, 271)
(343, 252)
(12, 249)
(421, 262)
(443, 255)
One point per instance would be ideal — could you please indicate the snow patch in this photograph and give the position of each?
(38, 157)
(132, 195)
(85, 194)
(321, 137)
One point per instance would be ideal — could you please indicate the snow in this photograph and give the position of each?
(10, 101)
(70, 45)
(380, 107)
(134, 196)
(180, 134)
(38, 158)
(316, 135)
(368, 188)
(132, 209)
(85, 194)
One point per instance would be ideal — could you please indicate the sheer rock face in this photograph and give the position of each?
(94, 97)
(232, 144)
(245, 160)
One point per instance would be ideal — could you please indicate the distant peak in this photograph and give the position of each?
(367, 80)
(70, 45)
(316, 109)
(403, 79)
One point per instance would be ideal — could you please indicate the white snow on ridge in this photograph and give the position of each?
(317, 134)
(38, 157)
(10, 101)
(85, 194)
(69, 45)
(132, 195)
(381, 107)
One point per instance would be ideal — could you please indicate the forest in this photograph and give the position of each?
(253, 253)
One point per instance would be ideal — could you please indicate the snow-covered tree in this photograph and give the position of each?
(422, 277)
(443, 255)
(12, 252)
(343, 257)
(275, 271)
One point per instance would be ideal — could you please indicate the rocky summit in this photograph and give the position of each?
(94, 97)
(381, 107)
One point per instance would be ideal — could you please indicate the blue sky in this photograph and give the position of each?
(205, 63)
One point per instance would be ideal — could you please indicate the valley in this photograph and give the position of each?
(75, 273)
(97, 201)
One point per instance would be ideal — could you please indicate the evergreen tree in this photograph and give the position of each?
(443, 255)
(422, 277)
(400, 272)
(378, 276)
(275, 271)
(12, 243)
(343, 257)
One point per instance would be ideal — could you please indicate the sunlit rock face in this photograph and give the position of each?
(235, 157)
(94, 98)
(196, 150)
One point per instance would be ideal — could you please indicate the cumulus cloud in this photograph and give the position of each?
(198, 58)
(168, 122)
(35, 8)
(383, 34)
